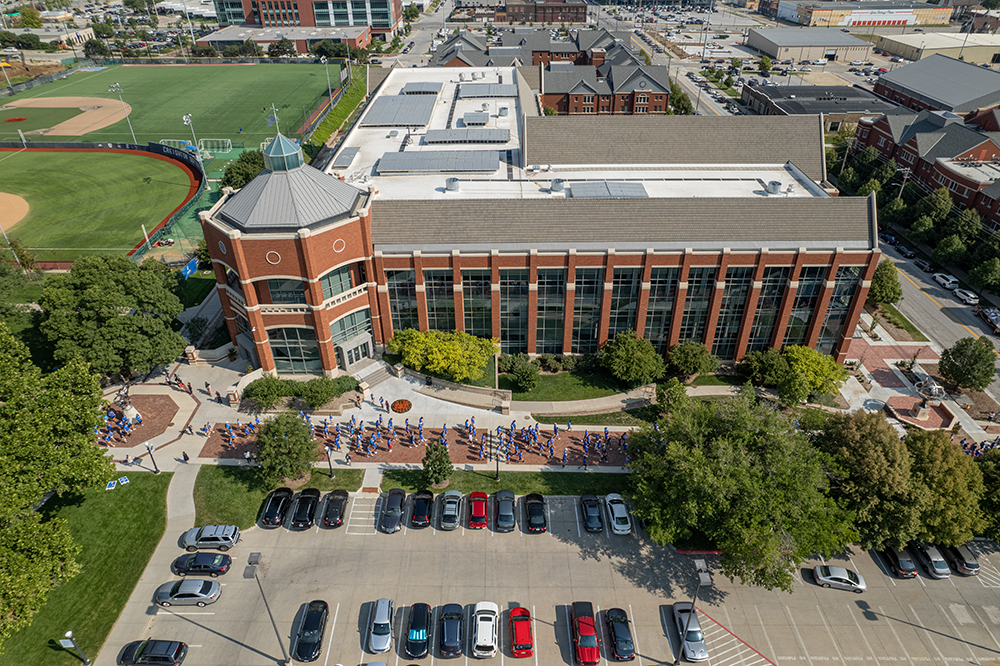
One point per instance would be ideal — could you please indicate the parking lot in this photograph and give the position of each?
(350, 567)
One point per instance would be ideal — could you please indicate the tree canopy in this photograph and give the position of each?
(986, 275)
(113, 313)
(738, 472)
(95, 48)
(282, 48)
(954, 486)
(437, 464)
(285, 449)
(246, 167)
(632, 359)
(331, 49)
(691, 358)
(969, 363)
(458, 355)
(885, 284)
(47, 427)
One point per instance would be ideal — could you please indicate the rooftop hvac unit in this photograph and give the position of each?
(503, 111)
(557, 185)
(774, 187)
(461, 76)
(451, 185)
(393, 134)
(486, 106)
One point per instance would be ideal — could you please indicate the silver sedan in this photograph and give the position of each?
(840, 578)
(188, 592)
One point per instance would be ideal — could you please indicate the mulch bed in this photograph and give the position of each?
(982, 404)
(158, 412)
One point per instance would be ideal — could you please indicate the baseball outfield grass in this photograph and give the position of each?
(89, 203)
(34, 119)
(220, 98)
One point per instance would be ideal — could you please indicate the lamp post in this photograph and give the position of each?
(117, 89)
(149, 447)
(72, 643)
(495, 447)
(197, 151)
(704, 578)
(329, 459)
(329, 89)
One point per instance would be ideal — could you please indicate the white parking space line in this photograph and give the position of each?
(599, 630)
(833, 639)
(798, 635)
(985, 626)
(333, 628)
(534, 636)
(402, 623)
(362, 517)
(500, 632)
(569, 635)
(170, 612)
(665, 621)
(576, 515)
(430, 634)
(367, 629)
(725, 647)
(961, 638)
(893, 628)
(989, 575)
(921, 625)
(884, 567)
(635, 639)
(770, 647)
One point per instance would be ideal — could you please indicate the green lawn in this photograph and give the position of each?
(719, 380)
(566, 386)
(36, 118)
(118, 530)
(896, 318)
(193, 290)
(221, 100)
(228, 495)
(522, 483)
(630, 417)
(86, 203)
(345, 107)
(30, 292)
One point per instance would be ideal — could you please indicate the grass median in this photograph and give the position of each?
(118, 530)
(231, 495)
(521, 483)
(565, 386)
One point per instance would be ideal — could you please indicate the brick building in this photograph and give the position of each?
(544, 11)
(303, 38)
(606, 90)
(453, 205)
(384, 17)
(941, 83)
(835, 104)
(528, 46)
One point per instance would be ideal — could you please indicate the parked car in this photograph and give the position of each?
(202, 564)
(888, 238)
(961, 559)
(477, 510)
(220, 537)
(925, 266)
(189, 592)
(486, 619)
(585, 639)
(966, 296)
(534, 506)
(392, 511)
(905, 252)
(618, 514)
(900, 562)
(590, 507)
(931, 559)
(304, 509)
(153, 651)
(275, 507)
(857, 62)
(423, 502)
(522, 643)
(451, 630)
(451, 511)
(620, 634)
(336, 507)
(416, 637)
(505, 508)
(839, 577)
(380, 634)
(689, 628)
(309, 637)
(945, 280)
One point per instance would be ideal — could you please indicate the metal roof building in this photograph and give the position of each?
(941, 83)
(808, 44)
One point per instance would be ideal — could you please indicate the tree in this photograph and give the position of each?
(139, 6)
(331, 49)
(525, 377)
(359, 56)
(205, 51)
(764, 368)
(738, 472)
(47, 427)
(648, 60)
(736, 63)
(680, 103)
(954, 485)
(458, 355)
(872, 478)
(691, 358)
(847, 178)
(246, 167)
(893, 212)
(285, 449)
(102, 30)
(822, 372)
(923, 230)
(671, 395)
(950, 250)
(986, 275)
(764, 65)
(885, 285)
(113, 313)
(437, 464)
(968, 363)
(632, 359)
(793, 388)
(29, 17)
(549, 111)
(967, 225)
(885, 172)
(411, 13)
(989, 466)
(871, 186)
(283, 48)
(936, 205)
(12, 279)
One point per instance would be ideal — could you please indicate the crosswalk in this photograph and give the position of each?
(362, 517)
(725, 648)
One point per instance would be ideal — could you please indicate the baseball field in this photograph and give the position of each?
(221, 100)
(68, 204)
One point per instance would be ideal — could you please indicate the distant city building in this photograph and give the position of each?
(384, 17)
(808, 44)
(864, 13)
(303, 38)
(940, 83)
(529, 46)
(610, 89)
(65, 36)
(547, 11)
(976, 48)
(835, 104)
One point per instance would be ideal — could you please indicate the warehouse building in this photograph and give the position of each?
(864, 13)
(808, 44)
(974, 48)
(454, 205)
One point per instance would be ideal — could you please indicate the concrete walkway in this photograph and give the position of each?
(639, 397)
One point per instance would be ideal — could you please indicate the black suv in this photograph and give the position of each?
(275, 507)
(304, 512)
(152, 651)
(900, 562)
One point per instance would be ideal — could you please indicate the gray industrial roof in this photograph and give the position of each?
(791, 37)
(468, 135)
(473, 90)
(345, 157)
(625, 223)
(439, 161)
(799, 100)
(607, 190)
(476, 118)
(421, 88)
(946, 83)
(676, 140)
(289, 200)
(400, 111)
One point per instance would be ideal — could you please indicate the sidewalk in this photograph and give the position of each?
(639, 397)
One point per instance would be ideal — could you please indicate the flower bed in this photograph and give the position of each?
(401, 406)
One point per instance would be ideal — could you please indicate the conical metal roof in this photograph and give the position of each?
(283, 154)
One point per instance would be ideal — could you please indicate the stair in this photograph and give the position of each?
(377, 377)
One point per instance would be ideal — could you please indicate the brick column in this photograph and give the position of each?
(843, 345)
(786, 305)
(379, 297)
(682, 288)
(717, 293)
(751, 306)
(418, 268)
(456, 276)
(532, 301)
(604, 323)
(320, 319)
(257, 331)
(643, 308)
(495, 292)
(570, 299)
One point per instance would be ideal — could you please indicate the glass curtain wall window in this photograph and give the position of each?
(336, 282)
(295, 350)
(477, 302)
(804, 305)
(626, 283)
(351, 325)
(439, 288)
(659, 314)
(739, 279)
(701, 286)
(587, 309)
(287, 291)
(551, 310)
(844, 287)
(513, 310)
(403, 299)
(765, 319)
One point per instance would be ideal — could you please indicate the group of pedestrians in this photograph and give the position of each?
(117, 428)
(978, 449)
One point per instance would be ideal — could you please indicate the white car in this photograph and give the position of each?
(945, 280)
(618, 514)
(966, 296)
(820, 61)
(485, 621)
(10, 49)
(856, 63)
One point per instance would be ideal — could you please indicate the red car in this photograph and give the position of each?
(586, 642)
(521, 644)
(477, 510)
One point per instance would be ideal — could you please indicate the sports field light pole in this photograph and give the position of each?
(329, 90)
(116, 88)
(72, 642)
(704, 578)
(197, 150)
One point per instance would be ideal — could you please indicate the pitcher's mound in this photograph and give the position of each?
(12, 209)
